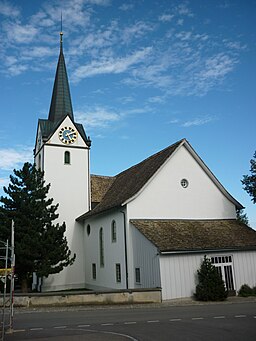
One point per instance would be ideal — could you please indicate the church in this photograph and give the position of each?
(147, 227)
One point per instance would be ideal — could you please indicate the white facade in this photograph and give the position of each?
(70, 187)
(164, 198)
(178, 272)
(113, 252)
(145, 260)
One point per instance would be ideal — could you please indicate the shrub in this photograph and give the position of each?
(246, 291)
(210, 285)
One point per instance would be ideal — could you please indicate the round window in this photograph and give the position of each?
(184, 183)
(88, 229)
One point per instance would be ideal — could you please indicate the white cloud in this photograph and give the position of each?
(156, 99)
(20, 33)
(13, 158)
(15, 69)
(126, 7)
(165, 17)
(110, 65)
(38, 52)
(97, 117)
(217, 66)
(182, 9)
(139, 29)
(197, 121)
(8, 9)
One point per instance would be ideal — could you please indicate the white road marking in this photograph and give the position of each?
(153, 321)
(60, 327)
(33, 329)
(219, 317)
(197, 318)
(83, 325)
(130, 322)
(107, 324)
(240, 316)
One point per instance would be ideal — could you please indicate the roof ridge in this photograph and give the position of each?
(152, 156)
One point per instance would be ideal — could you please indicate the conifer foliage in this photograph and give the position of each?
(249, 181)
(40, 246)
(211, 286)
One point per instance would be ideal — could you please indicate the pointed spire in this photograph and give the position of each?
(61, 104)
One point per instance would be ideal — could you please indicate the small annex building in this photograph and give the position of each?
(147, 227)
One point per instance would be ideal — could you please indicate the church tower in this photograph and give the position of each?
(62, 152)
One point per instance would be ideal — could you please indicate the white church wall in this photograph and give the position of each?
(178, 275)
(164, 197)
(244, 268)
(145, 261)
(179, 272)
(114, 252)
(69, 188)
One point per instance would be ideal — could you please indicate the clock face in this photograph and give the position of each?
(67, 135)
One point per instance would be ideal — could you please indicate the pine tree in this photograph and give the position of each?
(249, 181)
(211, 286)
(241, 216)
(40, 246)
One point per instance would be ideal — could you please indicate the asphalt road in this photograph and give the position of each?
(225, 321)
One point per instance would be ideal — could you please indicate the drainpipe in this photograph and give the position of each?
(125, 251)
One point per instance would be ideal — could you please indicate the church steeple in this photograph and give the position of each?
(61, 104)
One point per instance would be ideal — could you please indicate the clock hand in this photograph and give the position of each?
(72, 133)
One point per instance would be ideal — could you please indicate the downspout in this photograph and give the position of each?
(125, 251)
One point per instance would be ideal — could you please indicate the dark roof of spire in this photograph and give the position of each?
(61, 104)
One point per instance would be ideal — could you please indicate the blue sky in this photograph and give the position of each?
(143, 74)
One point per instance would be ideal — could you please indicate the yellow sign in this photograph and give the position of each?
(5, 271)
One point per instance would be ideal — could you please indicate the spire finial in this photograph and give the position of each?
(61, 33)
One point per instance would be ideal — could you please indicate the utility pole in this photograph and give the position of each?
(8, 258)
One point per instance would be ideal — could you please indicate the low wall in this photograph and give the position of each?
(87, 298)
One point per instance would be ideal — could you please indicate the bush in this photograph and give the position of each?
(246, 291)
(211, 287)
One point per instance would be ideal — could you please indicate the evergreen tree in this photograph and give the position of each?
(249, 181)
(40, 246)
(242, 217)
(211, 286)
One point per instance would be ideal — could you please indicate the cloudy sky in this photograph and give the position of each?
(143, 74)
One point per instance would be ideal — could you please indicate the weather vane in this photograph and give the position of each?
(61, 33)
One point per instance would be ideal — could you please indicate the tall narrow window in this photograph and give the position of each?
(137, 275)
(101, 241)
(113, 231)
(93, 271)
(118, 273)
(39, 162)
(67, 157)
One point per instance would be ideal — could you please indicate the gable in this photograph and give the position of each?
(51, 132)
(131, 183)
(163, 196)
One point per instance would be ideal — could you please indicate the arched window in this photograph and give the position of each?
(67, 157)
(113, 231)
(101, 242)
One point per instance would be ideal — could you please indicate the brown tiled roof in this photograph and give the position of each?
(195, 235)
(99, 186)
(130, 181)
